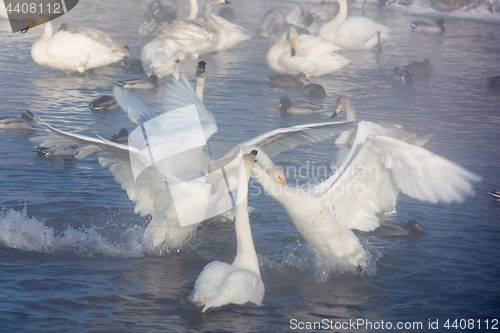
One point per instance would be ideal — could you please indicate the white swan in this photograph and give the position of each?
(311, 55)
(161, 58)
(376, 170)
(354, 33)
(155, 191)
(70, 52)
(346, 139)
(239, 283)
(198, 37)
(274, 24)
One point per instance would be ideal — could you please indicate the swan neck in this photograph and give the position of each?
(194, 9)
(47, 31)
(350, 113)
(246, 257)
(273, 14)
(200, 86)
(338, 20)
(222, 33)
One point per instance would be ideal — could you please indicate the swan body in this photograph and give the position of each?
(417, 68)
(71, 52)
(239, 283)
(11, 123)
(401, 75)
(313, 90)
(346, 139)
(311, 55)
(287, 80)
(325, 213)
(104, 103)
(287, 107)
(161, 58)
(354, 33)
(437, 27)
(198, 37)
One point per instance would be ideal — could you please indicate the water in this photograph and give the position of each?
(71, 257)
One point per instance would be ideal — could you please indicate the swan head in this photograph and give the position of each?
(248, 160)
(39, 20)
(278, 175)
(292, 36)
(201, 69)
(285, 102)
(342, 103)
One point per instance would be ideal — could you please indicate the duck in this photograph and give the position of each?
(172, 226)
(495, 194)
(121, 137)
(157, 16)
(493, 81)
(287, 80)
(411, 228)
(326, 213)
(150, 83)
(199, 37)
(287, 107)
(401, 75)
(104, 103)
(69, 51)
(346, 139)
(313, 90)
(161, 58)
(23, 123)
(220, 283)
(311, 55)
(428, 27)
(417, 68)
(353, 33)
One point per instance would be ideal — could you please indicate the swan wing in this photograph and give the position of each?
(208, 281)
(383, 167)
(102, 38)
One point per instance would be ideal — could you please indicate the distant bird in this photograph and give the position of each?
(401, 75)
(156, 17)
(411, 228)
(121, 137)
(313, 90)
(435, 27)
(495, 195)
(23, 123)
(288, 80)
(104, 103)
(419, 68)
(150, 83)
(297, 108)
(493, 81)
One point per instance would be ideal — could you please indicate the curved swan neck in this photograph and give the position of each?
(246, 257)
(200, 86)
(194, 9)
(222, 33)
(350, 112)
(338, 20)
(272, 14)
(47, 31)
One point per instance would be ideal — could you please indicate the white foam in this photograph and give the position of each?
(19, 231)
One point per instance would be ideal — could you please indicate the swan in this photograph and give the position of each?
(287, 80)
(346, 139)
(157, 16)
(375, 171)
(306, 54)
(401, 75)
(161, 58)
(274, 24)
(436, 27)
(150, 83)
(198, 37)
(239, 283)
(301, 16)
(417, 68)
(104, 103)
(354, 33)
(287, 107)
(201, 74)
(410, 228)
(167, 189)
(11, 123)
(313, 90)
(70, 52)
